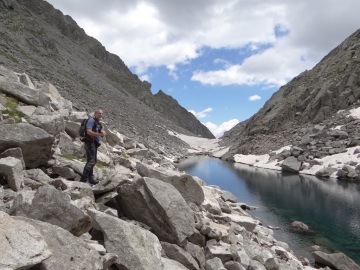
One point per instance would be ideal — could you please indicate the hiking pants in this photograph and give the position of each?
(91, 153)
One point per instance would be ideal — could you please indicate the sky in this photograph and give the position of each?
(220, 59)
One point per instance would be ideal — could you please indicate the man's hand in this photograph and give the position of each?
(102, 133)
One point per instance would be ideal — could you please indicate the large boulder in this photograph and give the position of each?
(53, 206)
(188, 187)
(35, 143)
(68, 251)
(21, 87)
(176, 253)
(210, 202)
(160, 206)
(135, 247)
(335, 261)
(22, 245)
(53, 124)
(11, 84)
(291, 164)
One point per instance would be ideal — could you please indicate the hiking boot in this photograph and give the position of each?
(83, 180)
(92, 181)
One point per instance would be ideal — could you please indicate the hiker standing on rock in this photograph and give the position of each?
(92, 142)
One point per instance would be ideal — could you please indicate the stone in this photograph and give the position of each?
(135, 247)
(53, 206)
(172, 265)
(210, 202)
(335, 260)
(22, 245)
(214, 264)
(232, 265)
(53, 124)
(14, 152)
(291, 164)
(325, 172)
(12, 169)
(68, 251)
(35, 143)
(299, 226)
(196, 252)
(176, 253)
(188, 187)
(160, 206)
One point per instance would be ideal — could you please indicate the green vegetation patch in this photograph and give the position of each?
(11, 109)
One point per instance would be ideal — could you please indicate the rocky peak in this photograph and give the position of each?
(310, 98)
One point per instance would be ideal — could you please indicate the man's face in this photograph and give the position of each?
(99, 114)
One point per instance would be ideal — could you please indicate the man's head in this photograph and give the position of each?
(98, 114)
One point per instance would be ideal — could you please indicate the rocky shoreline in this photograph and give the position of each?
(143, 214)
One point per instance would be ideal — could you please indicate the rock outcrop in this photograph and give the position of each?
(311, 98)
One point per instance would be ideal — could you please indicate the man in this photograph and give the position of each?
(92, 142)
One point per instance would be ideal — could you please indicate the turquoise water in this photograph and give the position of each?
(330, 208)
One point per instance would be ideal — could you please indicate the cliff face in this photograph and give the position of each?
(37, 39)
(310, 98)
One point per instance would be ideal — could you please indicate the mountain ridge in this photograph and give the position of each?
(39, 40)
(310, 98)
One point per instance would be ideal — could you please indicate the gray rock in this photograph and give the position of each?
(109, 184)
(219, 250)
(300, 226)
(14, 152)
(228, 196)
(188, 187)
(256, 265)
(37, 175)
(68, 251)
(214, 264)
(160, 206)
(68, 147)
(35, 143)
(53, 206)
(232, 265)
(176, 253)
(339, 134)
(21, 205)
(172, 265)
(53, 124)
(325, 172)
(65, 172)
(335, 260)
(12, 169)
(72, 128)
(291, 164)
(22, 245)
(135, 247)
(196, 252)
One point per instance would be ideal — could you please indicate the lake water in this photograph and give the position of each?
(330, 208)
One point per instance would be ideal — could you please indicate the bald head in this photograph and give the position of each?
(98, 114)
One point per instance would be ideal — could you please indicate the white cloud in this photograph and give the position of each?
(172, 72)
(151, 33)
(254, 98)
(201, 114)
(145, 77)
(218, 131)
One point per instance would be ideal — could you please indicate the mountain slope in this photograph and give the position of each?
(310, 98)
(37, 39)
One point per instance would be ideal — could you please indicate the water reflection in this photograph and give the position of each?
(330, 208)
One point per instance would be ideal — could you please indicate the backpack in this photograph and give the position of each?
(82, 130)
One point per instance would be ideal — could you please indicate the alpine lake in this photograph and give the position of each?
(330, 208)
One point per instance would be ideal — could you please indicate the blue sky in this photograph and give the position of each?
(220, 59)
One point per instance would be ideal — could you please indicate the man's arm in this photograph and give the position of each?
(94, 134)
